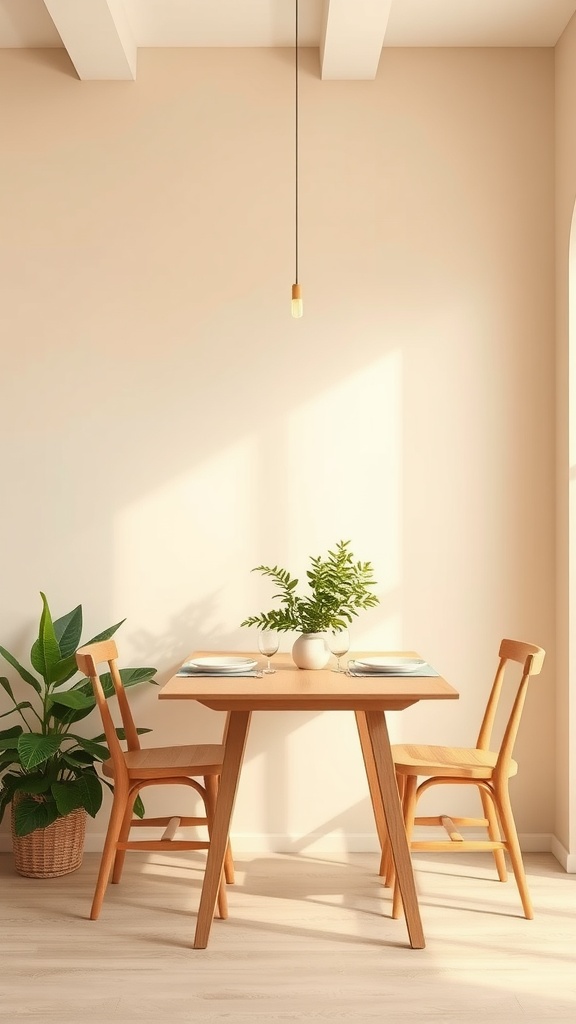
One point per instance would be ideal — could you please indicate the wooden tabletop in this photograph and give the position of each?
(292, 689)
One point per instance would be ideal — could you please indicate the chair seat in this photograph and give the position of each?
(171, 762)
(447, 762)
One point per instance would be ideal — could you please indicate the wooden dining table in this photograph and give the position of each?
(293, 689)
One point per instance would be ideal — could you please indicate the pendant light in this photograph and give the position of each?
(297, 309)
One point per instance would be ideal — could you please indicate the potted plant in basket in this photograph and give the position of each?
(48, 770)
(340, 588)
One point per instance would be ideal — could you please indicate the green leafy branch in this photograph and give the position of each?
(340, 588)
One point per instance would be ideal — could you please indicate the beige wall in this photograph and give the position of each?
(167, 425)
(566, 436)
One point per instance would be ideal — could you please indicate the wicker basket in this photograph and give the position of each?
(52, 851)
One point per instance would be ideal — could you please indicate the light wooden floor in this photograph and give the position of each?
(294, 948)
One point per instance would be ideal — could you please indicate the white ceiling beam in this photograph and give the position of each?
(97, 37)
(352, 38)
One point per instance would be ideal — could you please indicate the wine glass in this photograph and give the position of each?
(268, 644)
(339, 643)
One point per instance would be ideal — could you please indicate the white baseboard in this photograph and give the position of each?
(567, 860)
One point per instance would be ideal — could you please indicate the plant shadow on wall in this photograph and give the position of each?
(47, 770)
(195, 627)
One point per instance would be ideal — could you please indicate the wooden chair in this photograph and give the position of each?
(134, 769)
(479, 766)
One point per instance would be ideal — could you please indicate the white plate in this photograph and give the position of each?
(392, 666)
(230, 673)
(219, 664)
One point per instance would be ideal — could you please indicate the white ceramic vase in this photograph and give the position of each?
(310, 651)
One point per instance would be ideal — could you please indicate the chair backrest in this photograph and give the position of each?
(531, 658)
(88, 658)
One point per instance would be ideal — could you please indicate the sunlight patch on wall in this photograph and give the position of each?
(326, 470)
(344, 462)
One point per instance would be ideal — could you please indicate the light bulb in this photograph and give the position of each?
(297, 308)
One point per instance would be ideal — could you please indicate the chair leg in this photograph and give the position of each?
(229, 865)
(211, 785)
(387, 870)
(493, 832)
(385, 865)
(228, 857)
(122, 838)
(504, 807)
(390, 875)
(114, 825)
(409, 808)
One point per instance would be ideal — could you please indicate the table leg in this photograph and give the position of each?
(379, 742)
(372, 777)
(236, 734)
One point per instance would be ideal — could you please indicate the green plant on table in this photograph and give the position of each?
(340, 588)
(47, 766)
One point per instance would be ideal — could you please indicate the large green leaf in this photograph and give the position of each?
(6, 686)
(105, 635)
(100, 752)
(85, 686)
(45, 653)
(68, 630)
(78, 759)
(85, 791)
(30, 814)
(10, 781)
(9, 738)
(67, 796)
(23, 672)
(68, 667)
(64, 670)
(121, 733)
(35, 749)
(68, 717)
(7, 788)
(32, 784)
(133, 676)
(129, 677)
(74, 699)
